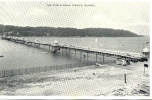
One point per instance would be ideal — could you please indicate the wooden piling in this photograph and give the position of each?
(103, 58)
(75, 53)
(96, 57)
(87, 58)
(125, 78)
(49, 47)
(80, 54)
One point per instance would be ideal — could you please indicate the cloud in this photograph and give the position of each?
(118, 15)
(140, 29)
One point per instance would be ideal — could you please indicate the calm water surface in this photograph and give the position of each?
(20, 56)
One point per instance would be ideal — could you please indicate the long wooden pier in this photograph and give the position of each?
(128, 56)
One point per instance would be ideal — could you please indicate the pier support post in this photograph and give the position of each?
(68, 53)
(87, 58)
(59, 50)
(75, 53)
(125, 79)
(96, 57)
(80, 54)
(66, 50)
(103, 58)
(62, 51)
(49, 47)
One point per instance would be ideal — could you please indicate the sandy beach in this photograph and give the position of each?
(105, 80)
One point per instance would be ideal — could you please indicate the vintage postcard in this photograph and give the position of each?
(75, 49)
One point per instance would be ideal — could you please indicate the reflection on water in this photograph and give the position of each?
(18, 55)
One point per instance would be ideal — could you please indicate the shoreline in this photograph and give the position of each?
(106, 80)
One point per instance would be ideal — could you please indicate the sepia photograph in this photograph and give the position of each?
(75, 48)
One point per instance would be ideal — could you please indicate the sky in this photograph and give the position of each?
(132, 16)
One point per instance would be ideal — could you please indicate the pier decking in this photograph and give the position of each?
(134, 57)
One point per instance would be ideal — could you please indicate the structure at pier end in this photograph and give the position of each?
(146, 52)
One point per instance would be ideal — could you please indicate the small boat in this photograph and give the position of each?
(1, 56)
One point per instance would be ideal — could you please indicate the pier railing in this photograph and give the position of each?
(24, 71)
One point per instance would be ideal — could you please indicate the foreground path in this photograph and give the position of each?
(106, 80)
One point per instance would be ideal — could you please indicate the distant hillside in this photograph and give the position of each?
(64, 32)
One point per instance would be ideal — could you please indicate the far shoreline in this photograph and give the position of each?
(83, 36)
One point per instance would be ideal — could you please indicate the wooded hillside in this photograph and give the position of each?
(64, 32)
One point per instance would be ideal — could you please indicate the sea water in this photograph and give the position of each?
(17, 55)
